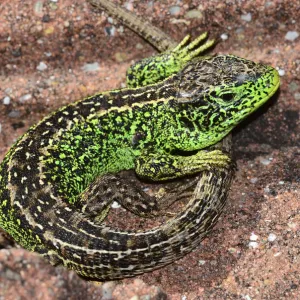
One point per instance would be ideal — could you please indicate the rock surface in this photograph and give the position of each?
(264, 200)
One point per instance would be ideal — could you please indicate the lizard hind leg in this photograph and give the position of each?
(96, 200)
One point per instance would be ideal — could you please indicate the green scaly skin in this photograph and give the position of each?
(159, 130)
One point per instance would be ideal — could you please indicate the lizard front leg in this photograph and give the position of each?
(158, 67)
(159, 167)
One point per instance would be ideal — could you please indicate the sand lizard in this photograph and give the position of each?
(51, 178)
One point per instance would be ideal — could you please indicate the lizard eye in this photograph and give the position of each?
(224, 97)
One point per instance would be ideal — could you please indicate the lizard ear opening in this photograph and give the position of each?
(228, 97)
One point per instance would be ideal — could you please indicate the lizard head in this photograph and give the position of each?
(216, 93)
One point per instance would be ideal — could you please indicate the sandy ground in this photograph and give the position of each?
(46, 50)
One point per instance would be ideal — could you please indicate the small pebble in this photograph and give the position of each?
(110, 31)
(150, 4)
(281, 72)
(232, 250)
(139, 46)
(107, 290)
(272, 237)
(11, 275)
(25, 98)
(38, 7)
(121, 29)
(129, 6)
(297, 96)
(268, 4)
(115, 204)
(41, 66)
(224, 36)
(239, 30)
(174, 10)
(254, 180)
(6, 100)
(46, 18)
(293, 86)
(291, 35)
(121, 56)
(247, 17)
(14, 114)
(92, 67)
(53, 5)
(213, 262)
(194, 14)
(267, 190)
(253, 237)
(49, 30)
(253, 245)
(201, 262)
(264, 161)
(293, 226)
